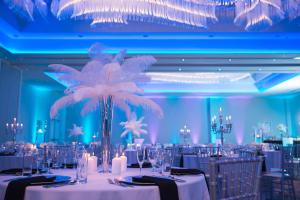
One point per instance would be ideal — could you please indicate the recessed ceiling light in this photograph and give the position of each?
(297, 58)
(182, 59)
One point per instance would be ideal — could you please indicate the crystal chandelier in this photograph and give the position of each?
(122, 11)
(252, 13)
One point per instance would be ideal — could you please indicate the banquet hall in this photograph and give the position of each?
(150, 99)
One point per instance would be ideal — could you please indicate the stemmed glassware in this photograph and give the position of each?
(49, 159)
(160, 160)
(27, 161)
(152, 157)
(38, 156)
(82, 165)
(140, 154)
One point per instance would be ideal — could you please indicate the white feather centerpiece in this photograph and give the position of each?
(106, 81)
(76, 131)
(134, 126)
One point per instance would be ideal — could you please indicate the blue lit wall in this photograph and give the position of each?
(247, 111)
(35, 105)
(10, 79)
(165, 130)
(195, 112)
(293, 108)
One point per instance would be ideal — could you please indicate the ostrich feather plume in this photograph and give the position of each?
(104, 76)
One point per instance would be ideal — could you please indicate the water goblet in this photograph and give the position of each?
(140, 154)
(152, 157)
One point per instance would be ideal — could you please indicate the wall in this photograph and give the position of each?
(10, 80)
(165, 130)
(35, 103)
(247, 111)
(294, 109)
(195, 112)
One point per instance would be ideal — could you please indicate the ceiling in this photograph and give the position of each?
(268, 56)
(51, 25)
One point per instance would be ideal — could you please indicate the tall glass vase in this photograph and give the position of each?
(106, 109)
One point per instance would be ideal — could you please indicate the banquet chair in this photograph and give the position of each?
(234, 179)
(247, 153)
(177, 156)
(280, 184)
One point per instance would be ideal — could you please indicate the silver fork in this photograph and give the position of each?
(110, 181)
(122, 183)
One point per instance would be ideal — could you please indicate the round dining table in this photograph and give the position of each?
(131, 156)
(98, 188)
(10, 162)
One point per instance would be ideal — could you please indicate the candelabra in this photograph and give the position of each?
(185, 133)
(14, 128)
(221, 128)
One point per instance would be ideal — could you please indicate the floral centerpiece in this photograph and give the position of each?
(105, 81)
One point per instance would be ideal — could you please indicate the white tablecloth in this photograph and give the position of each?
(98, 188)
(10, 162)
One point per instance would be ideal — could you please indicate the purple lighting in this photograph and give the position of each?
(153, 129)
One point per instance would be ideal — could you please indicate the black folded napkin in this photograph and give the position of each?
(185, 171)
(167, 187)
(16, 188)
(7, 154)
(145, 165)
(69, 166)
(215, 156)
(15, 171)
(264, 166)
(181, 162)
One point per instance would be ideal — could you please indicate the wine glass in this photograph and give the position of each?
(49, 159)
(140, 154)
(38, 159)
(152, 157)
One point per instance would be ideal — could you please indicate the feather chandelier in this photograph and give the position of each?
(250, 14)
(123, 11)
(293, 7)
(253, 13)
(27, 8)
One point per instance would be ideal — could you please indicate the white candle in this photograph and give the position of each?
(116, 165)
(92, 164)
(123, 163)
